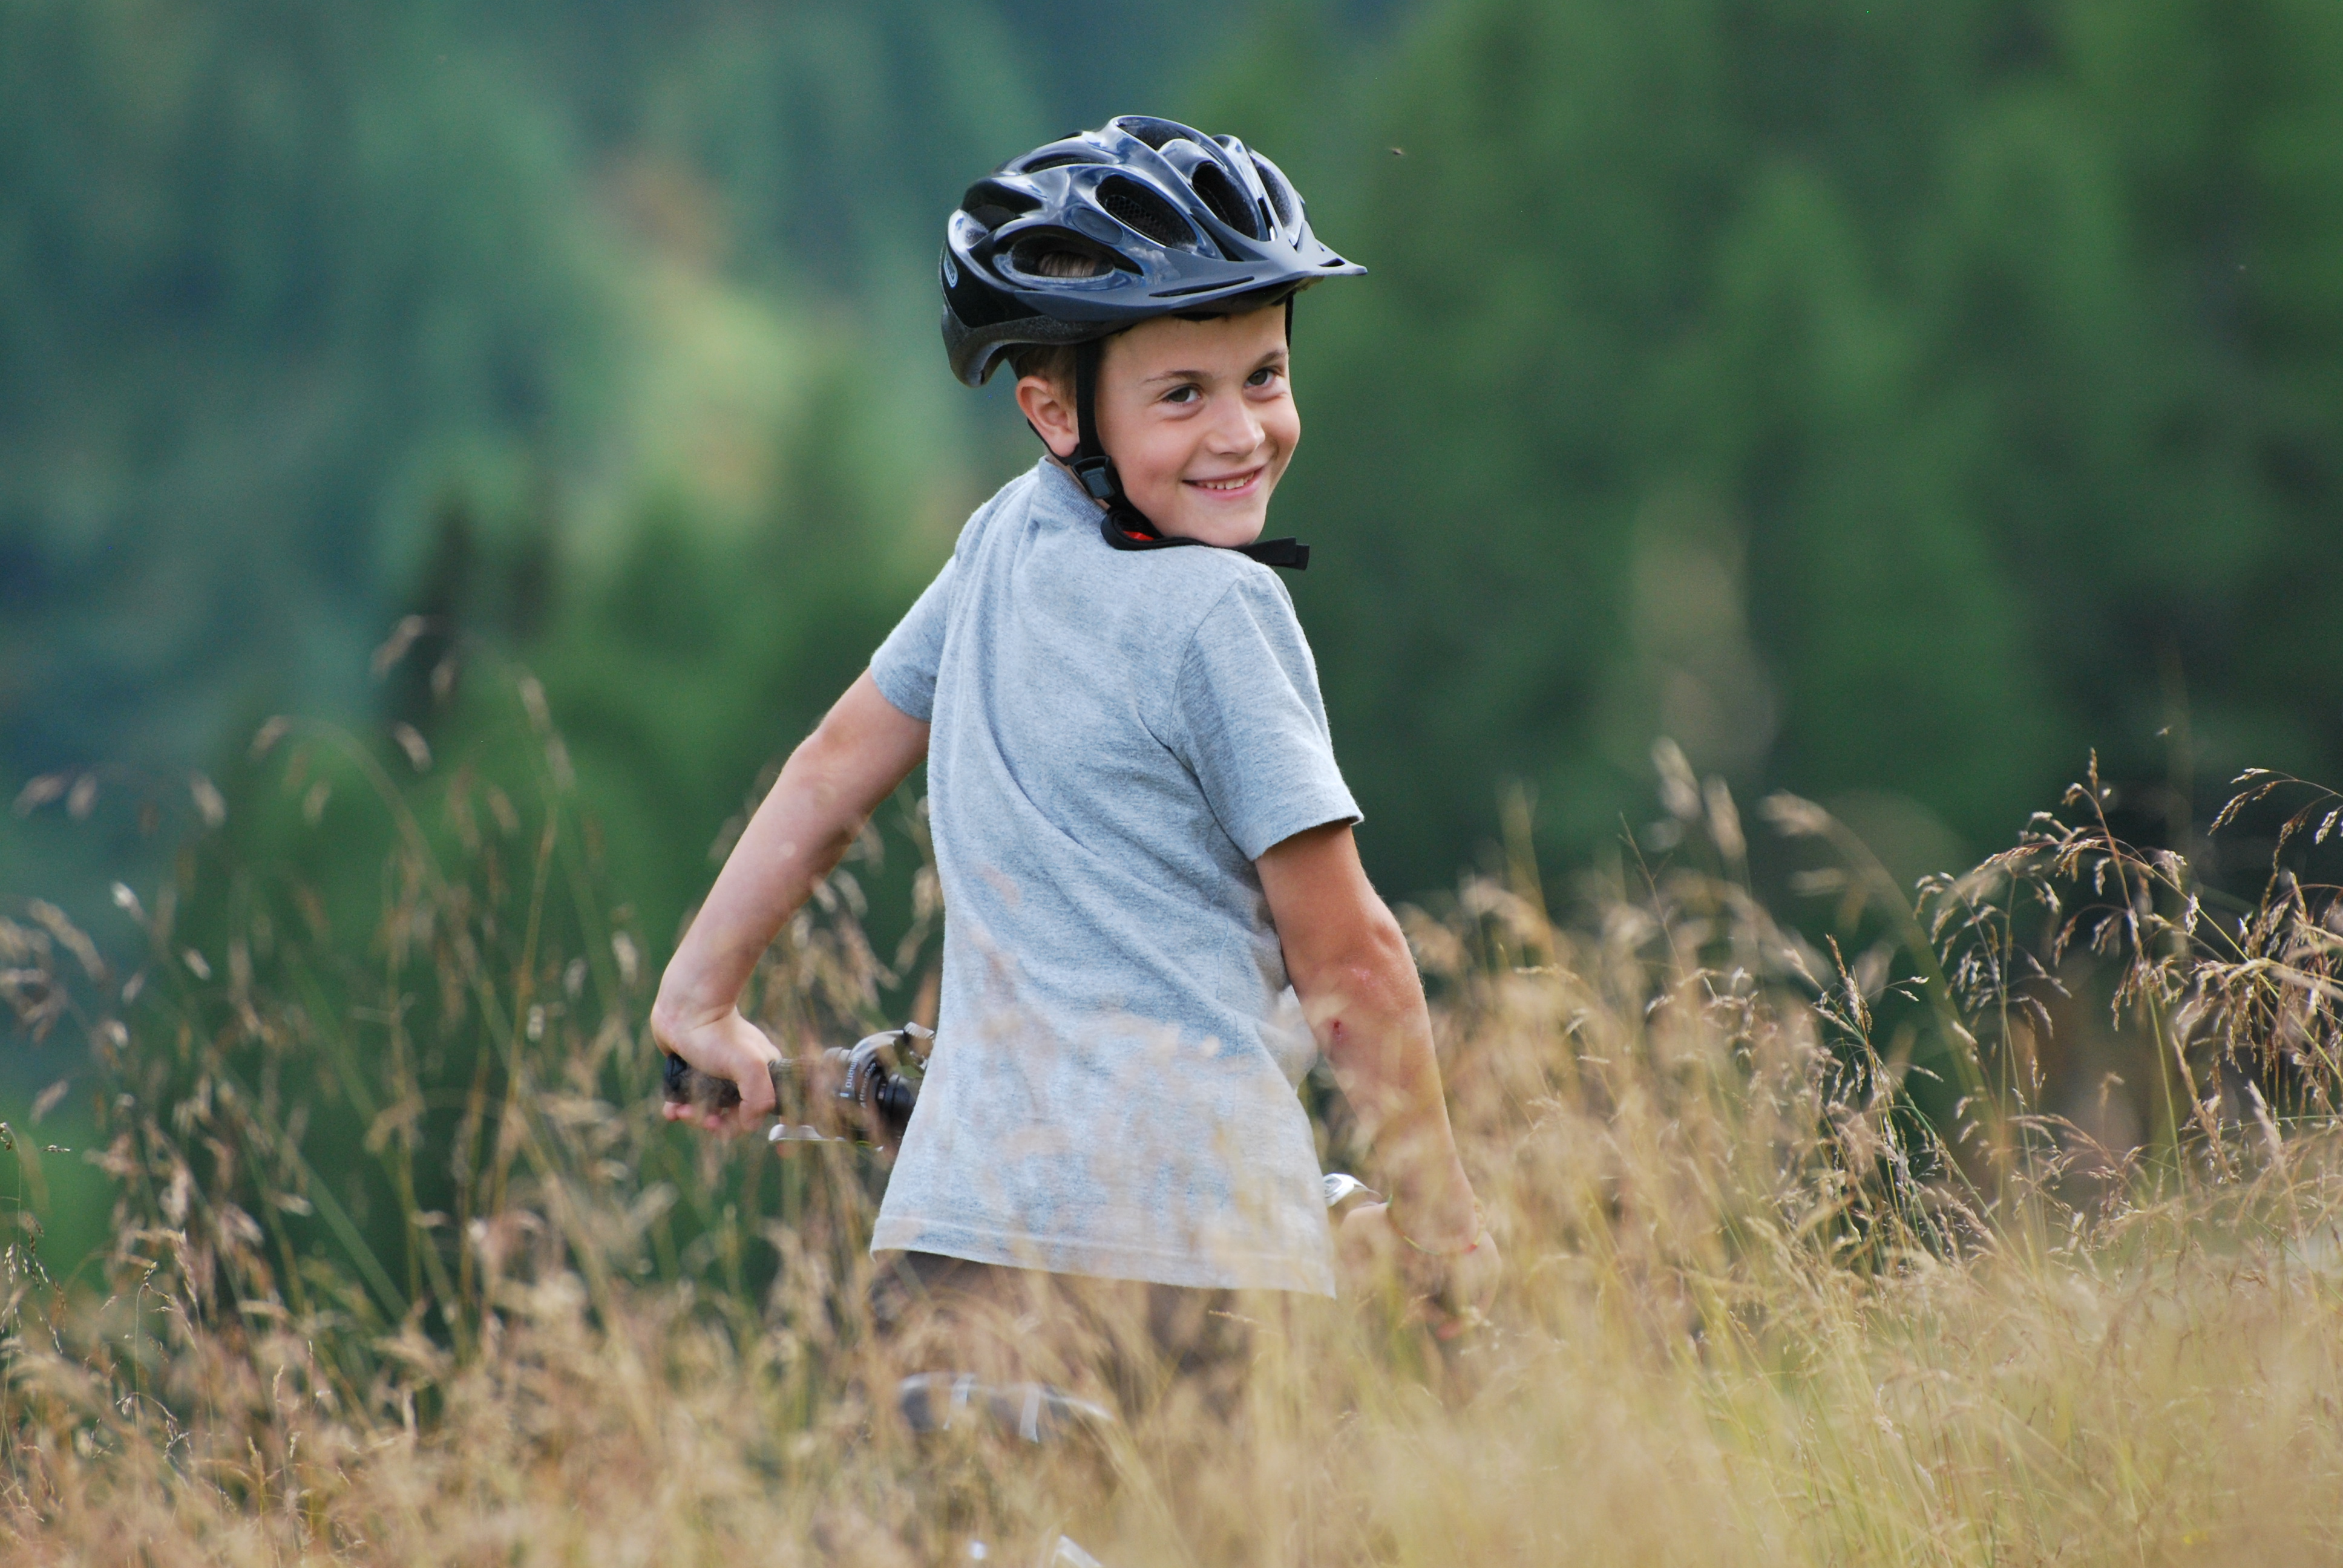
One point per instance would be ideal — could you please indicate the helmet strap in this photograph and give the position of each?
(1091, 466)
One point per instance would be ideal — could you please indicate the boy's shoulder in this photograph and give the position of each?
(1013, 500)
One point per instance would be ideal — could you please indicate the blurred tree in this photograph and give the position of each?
(1874, 397)
(1885, 400)
(262, 268)
(310, 319)
(697, 660)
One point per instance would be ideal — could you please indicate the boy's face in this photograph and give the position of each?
(1197, 415)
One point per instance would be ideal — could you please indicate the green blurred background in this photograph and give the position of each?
(1891, 402)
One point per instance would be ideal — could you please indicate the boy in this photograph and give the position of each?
(1141, 830)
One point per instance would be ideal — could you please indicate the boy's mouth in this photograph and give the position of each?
(1229, 484)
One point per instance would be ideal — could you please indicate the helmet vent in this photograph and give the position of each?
(1135, 206)
(991, 204)
(1050, 161)
(1054, 253)
(1227, 203)
(1156, 132)
(1281, 196)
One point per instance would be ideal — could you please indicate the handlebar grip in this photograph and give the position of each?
(684, 1084)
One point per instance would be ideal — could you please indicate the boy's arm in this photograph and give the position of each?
(836, 777)
(1349, 964)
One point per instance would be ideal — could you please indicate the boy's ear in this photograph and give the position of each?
(1049, 408)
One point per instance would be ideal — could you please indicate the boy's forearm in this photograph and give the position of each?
(828, 787)
(791, 844)
(1349, 965)
(1376, 1033)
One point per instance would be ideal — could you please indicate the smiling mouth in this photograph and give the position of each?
(1227, 485)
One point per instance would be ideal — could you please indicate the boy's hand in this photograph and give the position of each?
(1450, 1292)
(728, 1047)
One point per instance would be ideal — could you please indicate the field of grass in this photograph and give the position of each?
(405, 1269)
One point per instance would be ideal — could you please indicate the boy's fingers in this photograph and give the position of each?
(733, 1050)
(1467, 1289)
(757, 1096)
(1448, 1294)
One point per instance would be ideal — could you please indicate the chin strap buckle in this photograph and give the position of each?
(1290, 553)
(1098, 477)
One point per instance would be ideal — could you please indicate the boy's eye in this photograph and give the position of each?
(1262, 376)
(1182, 394)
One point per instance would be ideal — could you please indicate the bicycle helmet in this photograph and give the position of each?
(1093, 232)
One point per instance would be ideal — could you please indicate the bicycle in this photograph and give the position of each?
(874, 1088)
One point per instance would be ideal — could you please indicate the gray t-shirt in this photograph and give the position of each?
(1117, 735)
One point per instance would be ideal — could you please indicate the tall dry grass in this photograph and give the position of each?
(405, 1269)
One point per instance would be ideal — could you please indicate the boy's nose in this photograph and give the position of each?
(1236, 432)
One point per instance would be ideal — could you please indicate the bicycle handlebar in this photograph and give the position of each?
(878, 1088)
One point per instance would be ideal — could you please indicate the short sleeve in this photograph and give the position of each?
(1249, 722)
(904, 668)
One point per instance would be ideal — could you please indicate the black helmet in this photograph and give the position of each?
(1156, 220)
(1089, 234)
